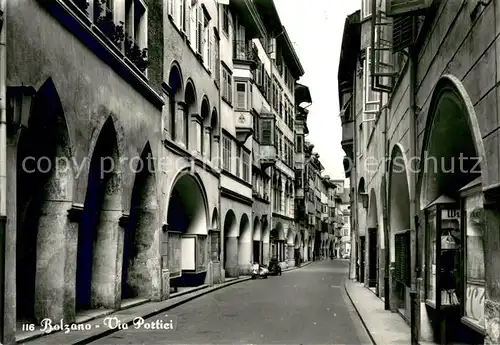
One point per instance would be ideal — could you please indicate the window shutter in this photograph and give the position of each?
(230, 87)
(406, 7)
(192, 25)
(188, 18)
(403, 33)
(199, 30)
(241, 95)
(210, 54)
(182, 16)
(266, 128)
(170, 7)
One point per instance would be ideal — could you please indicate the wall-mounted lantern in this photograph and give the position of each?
(19, 100)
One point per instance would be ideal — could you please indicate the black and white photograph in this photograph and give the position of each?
(296, 172)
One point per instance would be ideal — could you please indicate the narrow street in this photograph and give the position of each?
(304, 306)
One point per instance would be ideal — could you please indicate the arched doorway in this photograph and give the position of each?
(231, 245)
(266, 234)
(455, 169)
(140, 271)
(100, 233)
(361, 245)
(203, 143)
(44, 196)
(399, 224)
(372, 227)
(245, 246)
(187, 231)
(278, 242)
(257, 241)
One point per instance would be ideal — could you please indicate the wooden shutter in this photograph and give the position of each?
(403, 33)
(406, 7)
(199, 29)
(192, 27)
(182, 15)
(402, 272)
(210, 54)
(188, 18)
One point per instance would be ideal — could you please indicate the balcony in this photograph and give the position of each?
(245, 52)
(244, 126)
(267, 156)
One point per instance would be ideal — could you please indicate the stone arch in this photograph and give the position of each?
(44, 197)
(175, 82)
(278, 242)
(231, 233)
(188, 205)
(450, 103)
(399, 196)
(191, 109)
(215, 219)
(140, 270)
(297, 241)
(204, 128)
(100, 234)
(290, 237)
(245, 244)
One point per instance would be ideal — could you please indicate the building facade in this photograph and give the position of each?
(167, 132)
(418, 95)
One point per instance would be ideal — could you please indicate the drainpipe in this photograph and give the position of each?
(385, 216)
(3, 160)
(354, 223)
(414, 301)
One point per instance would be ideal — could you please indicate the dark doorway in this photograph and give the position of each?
(372, 257)
(256, 251)
(362, 259)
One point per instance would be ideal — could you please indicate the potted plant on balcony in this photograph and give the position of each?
(103, 20)
(136, 55)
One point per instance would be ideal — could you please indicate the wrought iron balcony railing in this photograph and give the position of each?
(245, 50)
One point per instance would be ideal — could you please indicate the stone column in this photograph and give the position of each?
(207, 145)
(179, 125)
(231, 256)
(74, 217)
(265, 254)
(291, 255)
(195, 134)
(144, 272)
(51, 249)
(492, 270)
(108, 249)
(245, 255)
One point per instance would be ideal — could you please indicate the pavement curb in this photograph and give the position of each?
(176, 301)
(155, 312)
(346, 281)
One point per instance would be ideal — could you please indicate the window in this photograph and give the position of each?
(266, 137)
(259, 74)
(217, 61)
(136, 22)
(366, 8)
(241, 95)
(182, 16)
(226, 153)
(298, 146)
(199, 137)
(256, 127)
(238, 161)
(371, 99)
(246, 166)
(227, 88)
(199, 29)
(225, 20)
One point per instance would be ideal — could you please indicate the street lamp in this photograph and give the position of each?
(19, 100)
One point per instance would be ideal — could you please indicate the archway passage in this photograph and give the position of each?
(399, 222)
(100, 233)
(373, 257)
(245, 246)
(278, 242)
(187, 232)
(452, 153)
(231, 245)
(257, 241)
(44, 197)
(140, 271)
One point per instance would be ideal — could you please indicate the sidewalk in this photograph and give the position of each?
(384, 327)
(95, 326)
